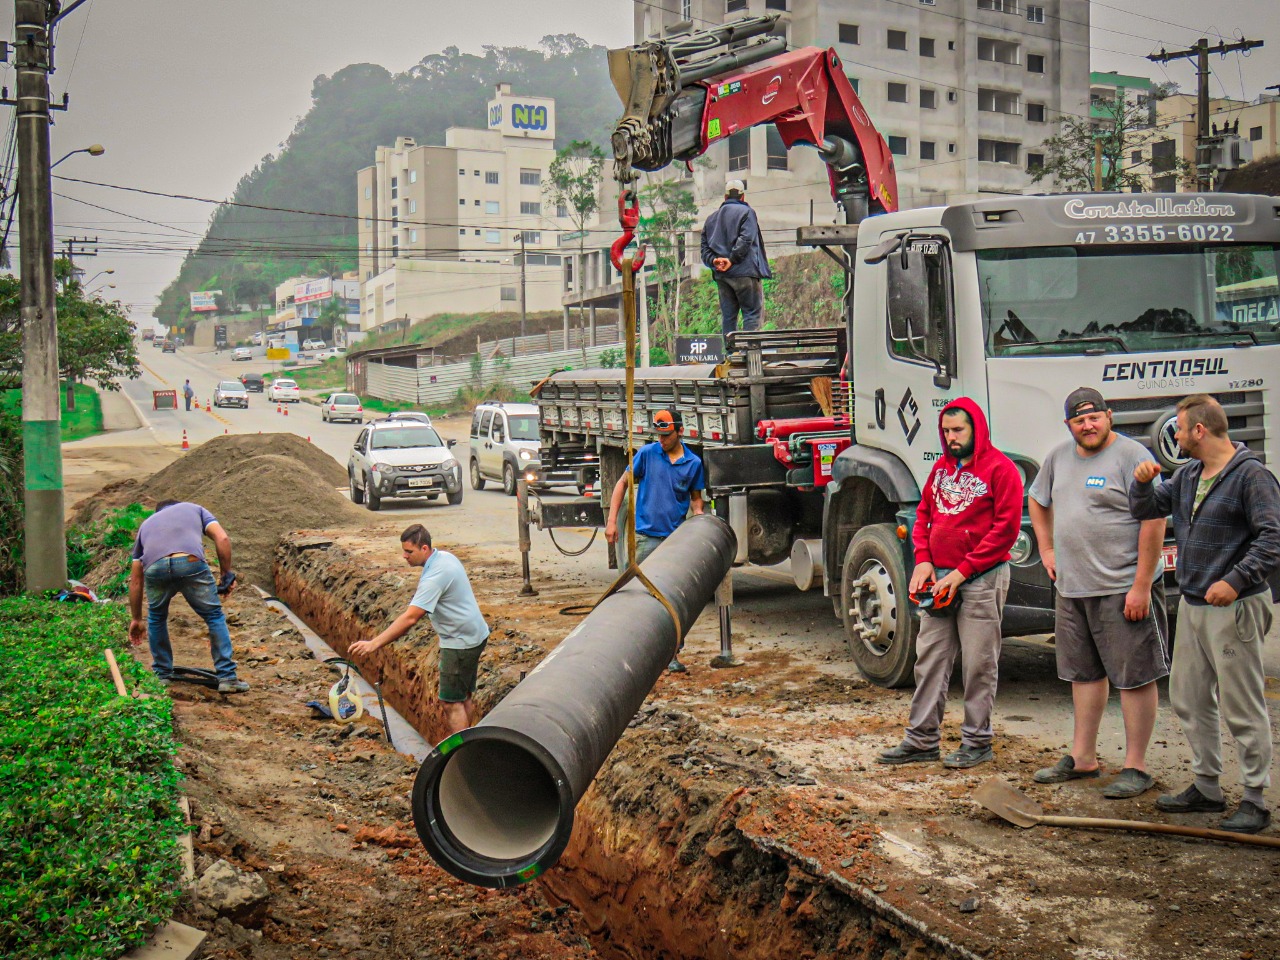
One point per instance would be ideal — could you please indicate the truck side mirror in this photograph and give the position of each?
(880, 252)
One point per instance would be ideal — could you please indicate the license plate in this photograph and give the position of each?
(420, 481)
(1170, 557)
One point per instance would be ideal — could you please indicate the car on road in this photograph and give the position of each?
(342, 406)
(393, 459)
(230, 393)
(180, 341)
(313, 344)
(328, 353)
(241, 353)
(169, 347)
(257, 339)
(158, 342)
(253, 382)
(504, 446)
(409, 416)
(284, 390)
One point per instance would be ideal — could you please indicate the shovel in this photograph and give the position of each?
(1010, 804)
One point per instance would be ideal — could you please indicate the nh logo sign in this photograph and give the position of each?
(526, 116)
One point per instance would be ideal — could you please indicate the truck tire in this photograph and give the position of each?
(357, 495)
(371, 499)
(477, 481)
(878, 625)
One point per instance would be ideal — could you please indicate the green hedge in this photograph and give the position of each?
(89, 815)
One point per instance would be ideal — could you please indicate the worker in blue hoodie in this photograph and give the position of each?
(733, 248)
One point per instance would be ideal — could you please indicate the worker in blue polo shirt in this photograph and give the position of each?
(669, 482)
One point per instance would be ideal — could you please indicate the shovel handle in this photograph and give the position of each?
(1142, 826)
(115, 672)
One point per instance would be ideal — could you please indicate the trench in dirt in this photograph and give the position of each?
(690, 843)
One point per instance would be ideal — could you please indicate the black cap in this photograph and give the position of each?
(1085, 400)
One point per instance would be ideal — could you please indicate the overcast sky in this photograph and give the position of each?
(187, 95)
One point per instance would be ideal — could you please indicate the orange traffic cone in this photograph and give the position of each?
(224, 431)
(286, 411)
(277, 408)
(208, 407)
(308, 439)
(186, 445)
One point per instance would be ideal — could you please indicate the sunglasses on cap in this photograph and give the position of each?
(663, 425)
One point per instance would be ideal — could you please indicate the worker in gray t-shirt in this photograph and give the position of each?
(1110, 620)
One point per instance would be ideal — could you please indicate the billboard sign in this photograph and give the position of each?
(321, 289)
(204, 301)
(699, 349)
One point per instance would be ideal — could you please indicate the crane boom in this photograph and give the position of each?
(683, 93)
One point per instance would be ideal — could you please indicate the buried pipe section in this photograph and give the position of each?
(494, 805)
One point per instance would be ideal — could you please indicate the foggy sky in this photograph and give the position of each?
(187, 95)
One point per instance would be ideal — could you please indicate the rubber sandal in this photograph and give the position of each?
(1064, 770)
(1131, 782)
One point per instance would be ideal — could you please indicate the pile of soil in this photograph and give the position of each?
(258, 486)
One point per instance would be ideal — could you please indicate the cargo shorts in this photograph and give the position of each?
(458, 669)
(1093, 641)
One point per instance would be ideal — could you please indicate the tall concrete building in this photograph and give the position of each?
(964, 91)
(479, 198)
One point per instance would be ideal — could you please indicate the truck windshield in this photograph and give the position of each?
(523, 427)
(1038, 301)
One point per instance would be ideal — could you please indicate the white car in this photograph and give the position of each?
(402, 459)
(257, 339)
(231, 393)
(241, 353)
(284, 391)
(328, 353)
(313, 344)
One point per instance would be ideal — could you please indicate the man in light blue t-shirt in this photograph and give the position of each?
(444, 595)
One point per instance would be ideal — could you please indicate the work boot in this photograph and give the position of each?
(967, 757)
(675, 666)
(232, 686)
(1189, 800)
(906, 753)
(1248, 818)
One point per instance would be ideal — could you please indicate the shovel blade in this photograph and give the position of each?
(1008, 803)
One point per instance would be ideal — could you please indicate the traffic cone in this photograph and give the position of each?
(186, 445)
(208, 407)
(308, 439)
(225, 431)
(277, 408)
(286, 411)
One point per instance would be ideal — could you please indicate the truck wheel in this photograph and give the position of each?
(508, 480)
(357, 495)
(371, 498)
(477, 481)
(878, 625)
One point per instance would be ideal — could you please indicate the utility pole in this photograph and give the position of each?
(46, 544)
(69, 251)
(1200, 52)
(523, 309)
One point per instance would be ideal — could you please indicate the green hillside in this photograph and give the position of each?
(246, 252)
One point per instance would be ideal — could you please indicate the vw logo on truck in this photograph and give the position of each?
(1171, 455)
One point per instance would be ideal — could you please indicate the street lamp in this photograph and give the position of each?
(93, 150)
(97, 275)
(103, 286)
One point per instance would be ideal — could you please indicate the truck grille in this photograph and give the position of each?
(1145, 419)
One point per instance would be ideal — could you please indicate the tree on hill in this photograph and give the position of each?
(353, 111)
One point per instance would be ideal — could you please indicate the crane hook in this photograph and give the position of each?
(628, 219)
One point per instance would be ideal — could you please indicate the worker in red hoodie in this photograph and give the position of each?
(968, 518)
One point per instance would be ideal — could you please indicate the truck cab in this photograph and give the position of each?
(1015, 302)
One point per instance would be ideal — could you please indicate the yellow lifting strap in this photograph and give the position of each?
(633, 571)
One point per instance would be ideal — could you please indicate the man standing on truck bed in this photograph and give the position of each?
(733, 247)
(444, 594)
(669, 482)
(1226, 519)
(968, 518)
(1110, 621)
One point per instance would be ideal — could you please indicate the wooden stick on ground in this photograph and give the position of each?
(115, 672)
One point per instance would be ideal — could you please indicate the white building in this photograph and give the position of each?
(478, 199)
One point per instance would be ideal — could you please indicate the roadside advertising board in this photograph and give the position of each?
(204, 301)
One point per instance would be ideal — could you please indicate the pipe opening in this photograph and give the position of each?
(497, 800)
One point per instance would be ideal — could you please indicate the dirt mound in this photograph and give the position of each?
(225, 454)
(258, 487)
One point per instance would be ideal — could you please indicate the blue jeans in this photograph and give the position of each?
(740, 293)
(165, 579)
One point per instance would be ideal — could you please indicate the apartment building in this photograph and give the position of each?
(964, 91)
(477, 199)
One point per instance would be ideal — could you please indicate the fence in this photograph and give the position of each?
(433, 385)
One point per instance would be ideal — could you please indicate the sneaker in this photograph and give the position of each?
(906, 753)
(967, 757)
(675, 666)
(232, 686)
(1189, 800)
(1064, 770)
(1248, 818)
(1132, 782)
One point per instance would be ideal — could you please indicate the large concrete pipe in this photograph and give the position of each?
(494, 805)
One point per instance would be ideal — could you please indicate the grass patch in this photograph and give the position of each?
(113, 534)
(395, 406)
(84, 421)
(89, 814)
(330, 374)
